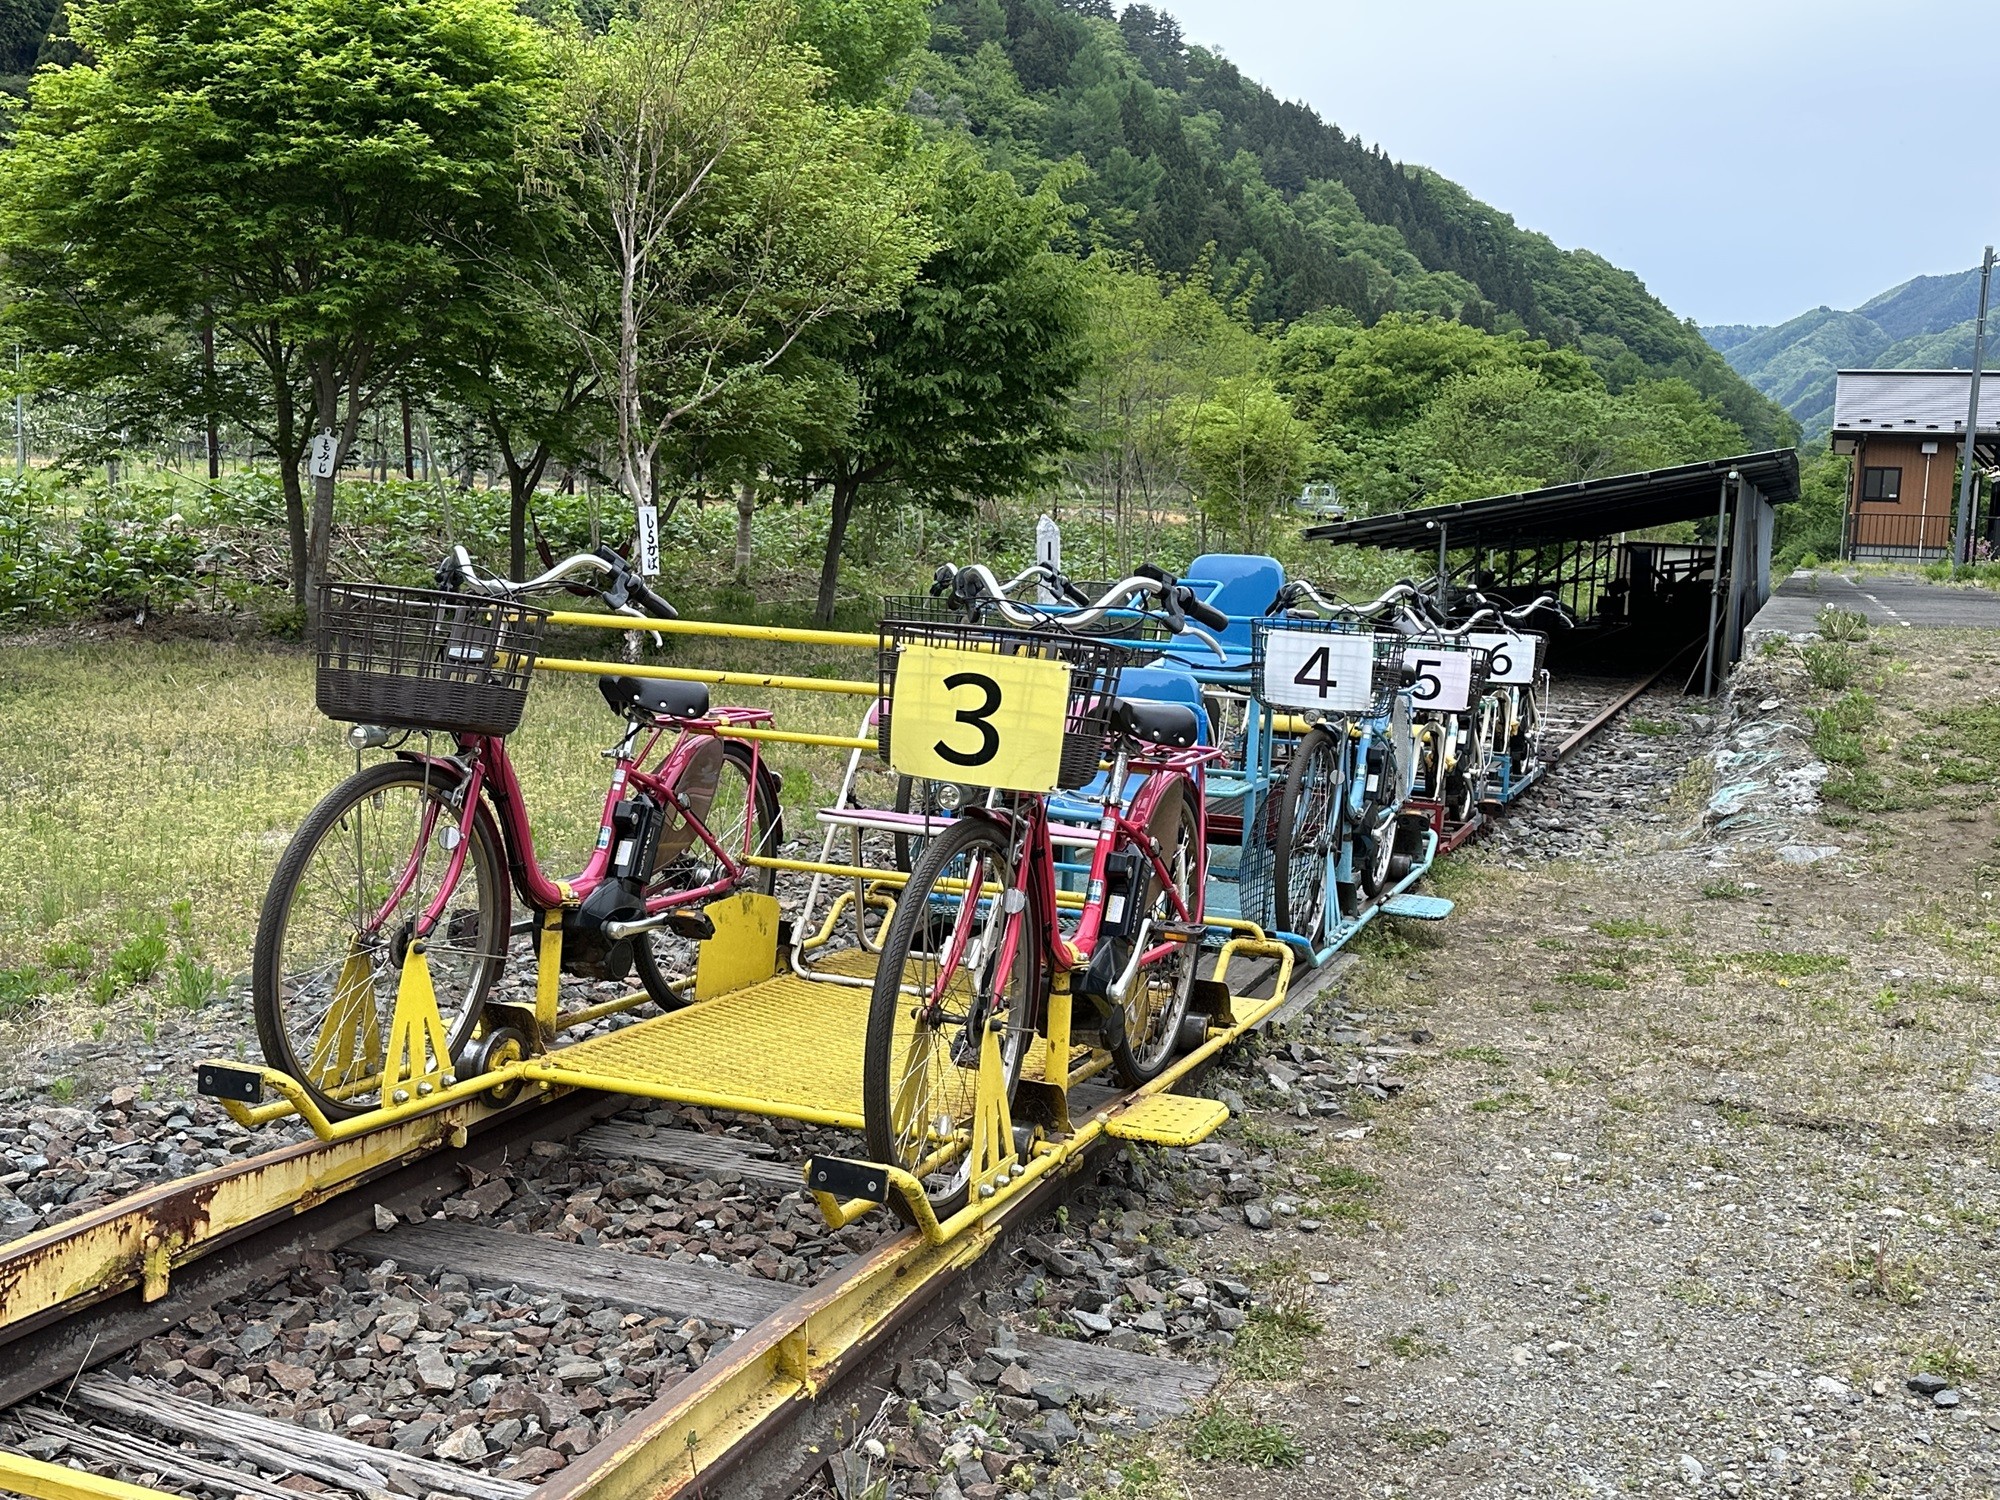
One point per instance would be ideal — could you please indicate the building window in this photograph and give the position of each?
(1882, 484)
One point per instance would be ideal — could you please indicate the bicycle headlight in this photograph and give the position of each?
(949, 796)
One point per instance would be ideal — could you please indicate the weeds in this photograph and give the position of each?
(1628, 927)
(1829, 665)
(1725, 890)
(1233, 1437)
(1948, 1360)
(1271, 1343)
(1843, 625)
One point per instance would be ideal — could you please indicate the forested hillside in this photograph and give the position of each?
(1184, 151)
(1924, 324)
(918, 273)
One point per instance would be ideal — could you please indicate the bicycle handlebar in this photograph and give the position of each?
(459, 572)
(975, 584)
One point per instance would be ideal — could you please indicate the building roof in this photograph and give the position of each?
(1570, 512)
(1913, 401)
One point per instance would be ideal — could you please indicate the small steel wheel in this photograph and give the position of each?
(490, 1052)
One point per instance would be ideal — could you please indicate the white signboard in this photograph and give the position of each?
(647, 543)
(1443, 679)
(1513, 660)
(321, 456)
(1318, 669)
(1048, 552)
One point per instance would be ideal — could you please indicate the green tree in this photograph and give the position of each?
(963, 386)
(728, 207)
(306, 177)
(1247, 454)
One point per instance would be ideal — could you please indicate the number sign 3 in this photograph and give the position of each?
(1318, 669)
(1444, 679)
(1513, 660)
(977, 717)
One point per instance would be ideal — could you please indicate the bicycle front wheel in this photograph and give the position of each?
(1307, 846)
(942, 981)
(338, 919)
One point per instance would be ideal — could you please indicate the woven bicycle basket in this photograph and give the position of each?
(1094, 666)
(423, 659)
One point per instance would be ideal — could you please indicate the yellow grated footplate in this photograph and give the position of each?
(784, 1046)
(1168, 1120)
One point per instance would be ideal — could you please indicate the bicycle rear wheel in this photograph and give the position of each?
(736, 802)
(939, 986)
(330, 943)
(1159, 997)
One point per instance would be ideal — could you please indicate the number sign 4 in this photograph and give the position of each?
(1513, 662)
(1318, 669)
(973, 716)
(1444, 679)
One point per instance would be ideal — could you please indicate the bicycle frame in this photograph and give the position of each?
(1036, 877)
(483, 771)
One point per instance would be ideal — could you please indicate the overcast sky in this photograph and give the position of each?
(1730, 152)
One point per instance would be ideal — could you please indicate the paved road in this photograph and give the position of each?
(1889, 600)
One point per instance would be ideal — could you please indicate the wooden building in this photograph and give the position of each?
(1905, 429)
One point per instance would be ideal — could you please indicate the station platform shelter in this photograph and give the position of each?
(1633, 556)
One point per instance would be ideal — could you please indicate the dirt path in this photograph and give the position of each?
(1692, 1169)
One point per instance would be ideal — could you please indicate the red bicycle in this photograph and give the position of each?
(1002, 900)
(431, 847)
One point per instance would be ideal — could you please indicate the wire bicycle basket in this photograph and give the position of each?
(424, 659)
(1094, 666)
(1311, 683)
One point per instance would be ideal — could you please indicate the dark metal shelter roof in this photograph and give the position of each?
(1569, 512)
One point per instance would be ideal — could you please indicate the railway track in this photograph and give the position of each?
(571, 1298)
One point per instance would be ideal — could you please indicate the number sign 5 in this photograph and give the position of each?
(973, 716)
(1513, 660)
(1444, 679)
(1318, 669)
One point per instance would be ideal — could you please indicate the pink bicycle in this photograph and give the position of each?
(432, 847)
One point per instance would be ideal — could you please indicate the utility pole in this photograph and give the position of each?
(20, 419)
(1968, 484)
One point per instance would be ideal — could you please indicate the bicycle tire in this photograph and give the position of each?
(686, 874)
(1160, 990)
(1305, 851)
(943, 1043)
(462, 973)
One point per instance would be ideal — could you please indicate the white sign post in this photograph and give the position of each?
(322, 455)
(1048, 552)
(647, 543)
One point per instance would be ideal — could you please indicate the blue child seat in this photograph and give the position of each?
(1241, 585)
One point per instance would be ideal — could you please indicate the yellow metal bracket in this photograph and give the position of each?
(419, 1049)
(993, 1155)
(548, 973)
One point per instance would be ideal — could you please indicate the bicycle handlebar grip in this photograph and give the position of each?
(651, 602)
(1202, 611)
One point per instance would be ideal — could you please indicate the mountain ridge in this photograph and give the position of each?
(1923, 323)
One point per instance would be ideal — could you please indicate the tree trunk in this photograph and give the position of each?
(844, 491)
(208, 400)
(288, 474)
(746, 511)
(409, 448)
(319, 524)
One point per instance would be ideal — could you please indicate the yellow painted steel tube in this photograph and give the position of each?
(801, 737)
(702, 674)
(716, 628)
(30, 1476)
(624, 1083)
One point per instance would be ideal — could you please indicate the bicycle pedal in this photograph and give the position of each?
(1179, 932)
(697, 926)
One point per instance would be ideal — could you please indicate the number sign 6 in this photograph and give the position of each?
(1444, 679)
(976, 716)
(1513, 662)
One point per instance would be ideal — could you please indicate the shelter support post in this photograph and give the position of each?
(1708, 672)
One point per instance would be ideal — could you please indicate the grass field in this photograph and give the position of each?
(148, 788)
